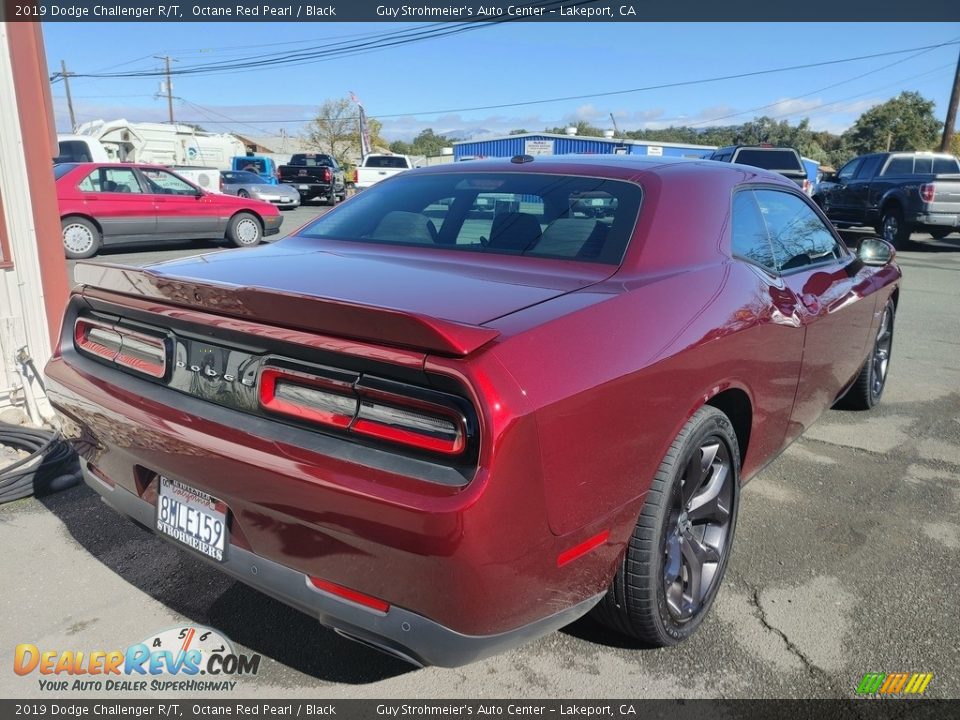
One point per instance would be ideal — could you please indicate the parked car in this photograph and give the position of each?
(783, 160)
(265, 167)
(107, 203)
(248, 185)
(445, 434)
(896, 193)
(314, 175)
(377, 167)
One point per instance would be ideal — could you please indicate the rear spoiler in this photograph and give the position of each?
(292, 310)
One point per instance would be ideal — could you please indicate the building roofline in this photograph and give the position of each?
(612, 141)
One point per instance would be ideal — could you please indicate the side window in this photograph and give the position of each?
(850, 169)
(922, 165)
(946, 165)
(902, 165)
(749, 240)
(166, 183)
(117, 180)
(798, 236)
(869, 167)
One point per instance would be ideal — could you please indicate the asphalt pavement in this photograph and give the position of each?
(846, 561)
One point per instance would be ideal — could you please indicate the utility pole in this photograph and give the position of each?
(948, 126)
(66, 85)
(166, 59)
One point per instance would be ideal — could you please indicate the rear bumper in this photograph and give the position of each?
(938, 219)
(398, 632)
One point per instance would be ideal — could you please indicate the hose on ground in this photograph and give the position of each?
(52, 464)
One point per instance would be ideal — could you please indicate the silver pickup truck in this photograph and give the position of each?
(896, 193)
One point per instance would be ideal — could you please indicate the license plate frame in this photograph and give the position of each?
(189, 528)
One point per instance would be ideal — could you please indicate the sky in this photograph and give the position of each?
(429, 84)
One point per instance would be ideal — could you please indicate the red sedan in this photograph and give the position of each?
(476, 402)
(107, 203)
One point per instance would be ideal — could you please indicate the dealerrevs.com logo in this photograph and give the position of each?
(183, 659)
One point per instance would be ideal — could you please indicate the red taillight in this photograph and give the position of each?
(927, 192)
(122, 346)
(345, 403)
(356, 176)
(221, 183)
(327, 175)
(351, 595)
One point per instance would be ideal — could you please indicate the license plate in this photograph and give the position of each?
(304, 187)
(192, 517)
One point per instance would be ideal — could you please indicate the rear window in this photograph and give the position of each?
(395, 163)
(253, 165)
(312, 161)
(60, 170)
(538, 215)
(770, 159)
(73, 151)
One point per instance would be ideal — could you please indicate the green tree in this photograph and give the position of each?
(583, 128)
(427, 143)
(905, 122)
(335, 130)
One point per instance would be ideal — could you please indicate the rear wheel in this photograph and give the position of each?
(244, 230)
(677, 555)
(868, 387)
(243, 193)
(894, 230)
(332, 199)
(81, 238)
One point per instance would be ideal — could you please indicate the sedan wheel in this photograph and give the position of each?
(867, 389)
(81, 238)
(244, 230)
(678, 552)
(243, 194)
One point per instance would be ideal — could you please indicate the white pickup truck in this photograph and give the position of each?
(375, 168)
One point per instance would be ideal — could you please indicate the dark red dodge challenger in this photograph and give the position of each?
(476, 402)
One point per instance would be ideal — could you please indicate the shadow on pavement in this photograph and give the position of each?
(190, 587)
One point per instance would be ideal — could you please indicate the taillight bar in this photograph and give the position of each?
(927, 192)
(379, 409)
(122, 346)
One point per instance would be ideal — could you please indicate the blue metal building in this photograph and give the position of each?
(551, 144)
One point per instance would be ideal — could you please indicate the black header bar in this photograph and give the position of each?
(455, 11)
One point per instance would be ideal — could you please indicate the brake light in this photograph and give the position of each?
(342, 400)
(927, 192)
(356, 176)
(122, 346)
(327, 175)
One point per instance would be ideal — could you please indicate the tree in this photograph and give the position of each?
(427, 143)
(334, 129)
(905, 122)
(583, 128)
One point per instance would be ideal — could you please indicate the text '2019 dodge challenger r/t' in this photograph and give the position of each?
(444, 430)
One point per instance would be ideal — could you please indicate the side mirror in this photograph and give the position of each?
(829, 177)
(875, 251)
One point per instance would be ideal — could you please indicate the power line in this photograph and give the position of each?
(661, 86)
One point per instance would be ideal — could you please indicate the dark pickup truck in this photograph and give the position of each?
(785, 161)
(314, 175)
(895, 193)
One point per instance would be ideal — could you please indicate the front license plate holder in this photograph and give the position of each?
(192, 518)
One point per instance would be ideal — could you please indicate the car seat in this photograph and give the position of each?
(573, 237)
(514, 231)
(402, 226)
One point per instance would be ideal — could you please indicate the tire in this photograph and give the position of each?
(646, 599)
(243, 194)
(81, 238)
(245, 230)
(893, 228)
(940, 233)
(332, 199)
(867, 389)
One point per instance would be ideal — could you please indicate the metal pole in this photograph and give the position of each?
(948, 126)
(166, 59)
(66, 85)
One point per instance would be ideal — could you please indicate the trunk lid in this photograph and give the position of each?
(434, 300)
